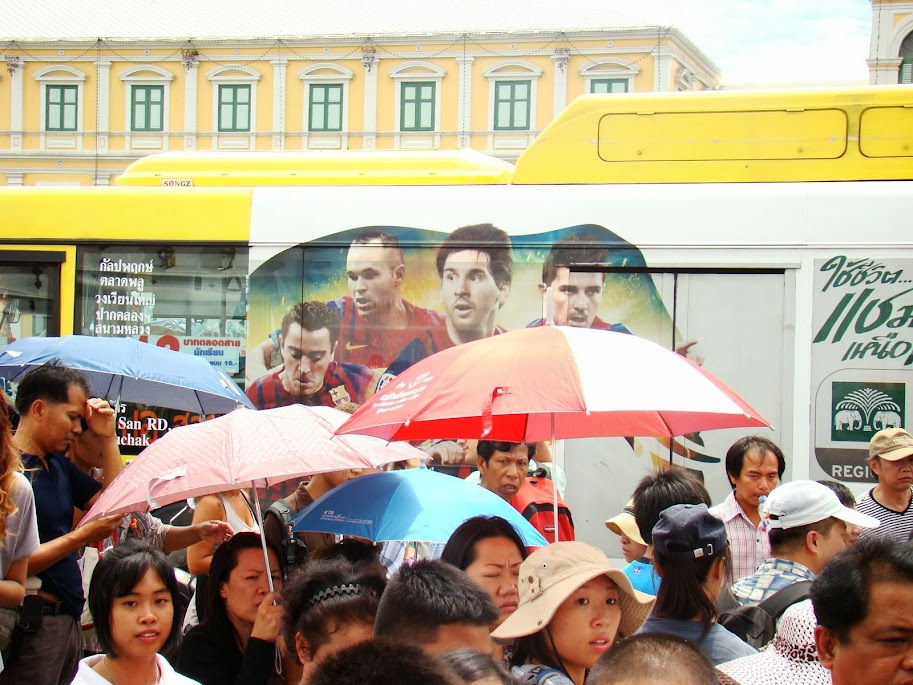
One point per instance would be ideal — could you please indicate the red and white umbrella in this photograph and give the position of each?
(552, 382)
(242, 449)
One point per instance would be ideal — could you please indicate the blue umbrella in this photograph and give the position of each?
(414, 505)
(128, 370)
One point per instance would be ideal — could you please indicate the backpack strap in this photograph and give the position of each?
(780, 601)
(290, 543)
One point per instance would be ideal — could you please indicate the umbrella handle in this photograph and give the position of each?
(179, 472)
(269, 574)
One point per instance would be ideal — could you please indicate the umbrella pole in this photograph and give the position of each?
(269, 573)
(555, 476)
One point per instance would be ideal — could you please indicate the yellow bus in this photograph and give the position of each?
(769, 227)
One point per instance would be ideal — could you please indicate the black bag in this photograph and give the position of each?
(756, 625)
(292, 546)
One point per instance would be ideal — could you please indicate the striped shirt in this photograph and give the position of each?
(896, 525)
(749, 543)
(341, 383)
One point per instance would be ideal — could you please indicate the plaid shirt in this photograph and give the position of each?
(749, 544)
(772, 576)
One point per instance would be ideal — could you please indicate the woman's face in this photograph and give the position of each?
(585, 625)
(141, 621)
(247, 585)
(496, 568)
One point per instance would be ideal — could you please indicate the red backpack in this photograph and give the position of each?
(535, 501)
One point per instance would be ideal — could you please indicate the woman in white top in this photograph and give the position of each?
(233, 507)
(18, 527)
(132, 596)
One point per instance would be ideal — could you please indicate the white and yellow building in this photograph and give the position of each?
(891, 48)
(80, 110)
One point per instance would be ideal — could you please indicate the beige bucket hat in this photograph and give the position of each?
(552, 574)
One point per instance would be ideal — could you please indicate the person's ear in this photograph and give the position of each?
(874, 465)
(504, 291)
(481, 465)
(542, 288)
(826, 644)
(302, 649)
(38, 409)
(731, 479)
(718, 569)
(399, 273)
(223, 591)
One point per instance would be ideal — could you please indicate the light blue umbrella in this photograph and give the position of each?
(128, 370)
(413, 505)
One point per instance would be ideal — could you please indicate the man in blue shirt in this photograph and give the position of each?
(53, 405)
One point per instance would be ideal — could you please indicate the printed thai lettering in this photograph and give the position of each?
(134, 299)
(904, 319)
(880, 347)
(857, 315)
(208, 353)
(120, 266)
(103, 314)
(121, 329)
(858, 272)
(212, 342)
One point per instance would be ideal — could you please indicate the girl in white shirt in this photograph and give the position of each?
(132, 597)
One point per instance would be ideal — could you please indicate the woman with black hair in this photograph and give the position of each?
(236, 642)
(133, 595)
(329, 605)
(489, 550)
(691, 553)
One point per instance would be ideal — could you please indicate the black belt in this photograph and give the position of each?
(49, 608)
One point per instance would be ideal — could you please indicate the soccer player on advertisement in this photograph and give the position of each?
(309, 375)
(376, 323)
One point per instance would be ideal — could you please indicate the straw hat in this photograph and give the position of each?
(625, 524)
(790, 658)
(552, 574)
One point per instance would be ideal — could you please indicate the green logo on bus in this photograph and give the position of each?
(860, 409)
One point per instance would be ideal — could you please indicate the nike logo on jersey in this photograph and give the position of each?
(350, 346)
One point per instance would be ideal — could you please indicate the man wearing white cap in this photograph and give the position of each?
(807, 528)
(891, 501)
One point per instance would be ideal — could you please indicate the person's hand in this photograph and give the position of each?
(692, 351)
(214, 532)
(101, 528)
(269, 619)
(446, 452)
(100, 417)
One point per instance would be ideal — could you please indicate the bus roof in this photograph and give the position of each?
(250, 168)
(726, 136)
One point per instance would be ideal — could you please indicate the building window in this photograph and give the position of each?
(146, 108)
(512, 105)
(417, 106)
(905, 73)
(609, 85)
(234, 108)
(61, 108)
(325, 107)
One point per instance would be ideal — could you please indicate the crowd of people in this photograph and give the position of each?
(689, 606)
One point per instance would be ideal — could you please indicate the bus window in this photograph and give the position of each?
(192, 299)
(28, 297)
